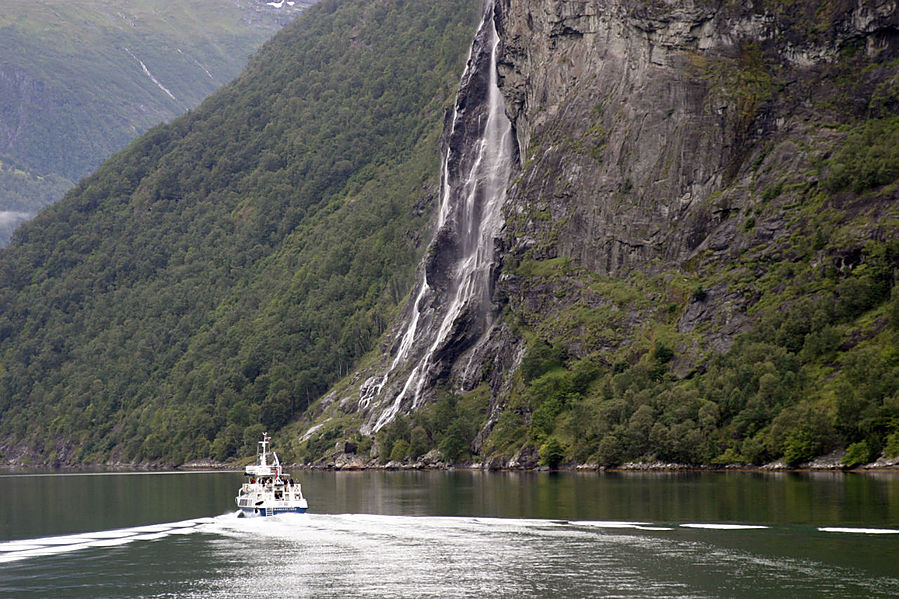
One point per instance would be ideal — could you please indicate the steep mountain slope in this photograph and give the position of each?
(80, 78)
(225, 269)
(700, 247)
(694, 257)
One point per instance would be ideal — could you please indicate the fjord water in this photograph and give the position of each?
(440, 534)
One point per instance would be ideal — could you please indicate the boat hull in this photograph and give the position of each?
(261, 512)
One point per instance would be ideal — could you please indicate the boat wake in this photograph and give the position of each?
(719, 526)
(412, 556)
(860, 530)
(368, 529)
(327, 527)
(11, 551)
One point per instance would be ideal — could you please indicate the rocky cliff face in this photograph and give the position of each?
(675, 159)
(650, 131)
(632, 115)
(670, 146)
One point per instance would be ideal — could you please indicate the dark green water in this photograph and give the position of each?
(394, 534)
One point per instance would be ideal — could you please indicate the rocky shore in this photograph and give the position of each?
(831, 462)
(432, 461)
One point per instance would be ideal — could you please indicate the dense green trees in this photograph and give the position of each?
(815, 373)
(226, 268)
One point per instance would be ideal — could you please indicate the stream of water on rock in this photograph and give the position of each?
(454, 534)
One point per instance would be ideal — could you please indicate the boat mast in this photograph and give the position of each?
(264, 443)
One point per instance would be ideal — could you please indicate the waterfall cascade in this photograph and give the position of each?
(455, 285)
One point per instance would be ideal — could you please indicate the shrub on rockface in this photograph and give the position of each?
(868, 158)
(398, 430)
(539, 358)
(400, 450)
(551, 453)
(419, 442)
(801, 433)
(891, 449)
(454, 444)
(609, 452)
(857, 454)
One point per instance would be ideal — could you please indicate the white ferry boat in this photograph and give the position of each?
(268, 490)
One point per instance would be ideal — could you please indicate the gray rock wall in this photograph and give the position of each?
(630, 116)
(649, 134)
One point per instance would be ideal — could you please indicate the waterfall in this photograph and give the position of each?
(455, 285)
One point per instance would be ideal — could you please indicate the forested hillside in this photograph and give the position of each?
(79, 79)
(221, 272)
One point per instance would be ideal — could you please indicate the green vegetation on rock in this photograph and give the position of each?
(225, 269)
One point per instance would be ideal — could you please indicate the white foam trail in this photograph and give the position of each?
(11, 551)
(152, 528)
(110, 542)
(723, 526)
(108, 534)
(614, 524)
(17, 546)
(863, 531)
(154, 536)
(369, 526)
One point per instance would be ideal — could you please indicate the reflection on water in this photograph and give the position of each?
(383, 534)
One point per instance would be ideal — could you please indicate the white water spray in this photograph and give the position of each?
(471, 202)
